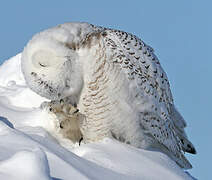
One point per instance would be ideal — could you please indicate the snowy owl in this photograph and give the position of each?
(115, 80)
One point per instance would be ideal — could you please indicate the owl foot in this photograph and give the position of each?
(69, 119)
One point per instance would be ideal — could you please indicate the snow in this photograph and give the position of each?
(31, 150)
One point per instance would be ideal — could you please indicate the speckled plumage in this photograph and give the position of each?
(116, 81)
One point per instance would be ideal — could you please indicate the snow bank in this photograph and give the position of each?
(28, 151)
(31, 165)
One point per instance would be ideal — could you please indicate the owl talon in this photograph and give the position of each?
(80, 141)
(61, 101)
(61, 126)
(77, 110)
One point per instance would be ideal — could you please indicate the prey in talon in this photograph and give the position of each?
(69, 119)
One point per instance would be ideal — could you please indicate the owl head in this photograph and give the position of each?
(50, 64)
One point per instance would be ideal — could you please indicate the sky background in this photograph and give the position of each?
(179, 31)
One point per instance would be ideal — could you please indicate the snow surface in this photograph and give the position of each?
(30, 149)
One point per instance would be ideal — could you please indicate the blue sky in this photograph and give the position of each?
(179, 31)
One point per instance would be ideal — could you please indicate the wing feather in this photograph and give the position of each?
(141, 65)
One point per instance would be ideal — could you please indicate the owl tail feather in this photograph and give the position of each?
(183, 162)
(187, 146)
(179, 125)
